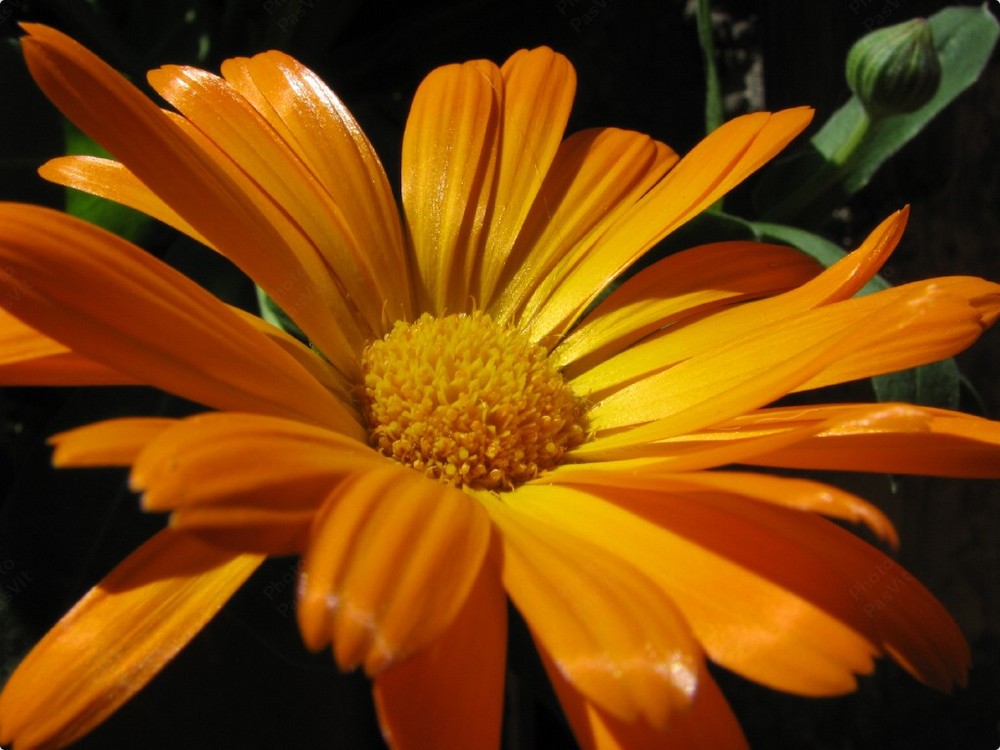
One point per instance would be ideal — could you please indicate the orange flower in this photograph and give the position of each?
(473, 420)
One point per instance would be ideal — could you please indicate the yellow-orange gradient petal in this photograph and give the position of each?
(113, 442)
(113, 303)
(912, 440)
(451, 694)
(610, 631)
(799, 494)
(324, 135)
(117, 638)
(681, 342)
(695, 282)
(449, 163)
(28, 357)
(708, 724)
(391, 560)
(538, 91)
(749, 373)
(595, 176)
(714, 167)
(195, 179)
(109, 179)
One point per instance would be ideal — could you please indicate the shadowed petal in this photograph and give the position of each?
(113, 442)
(450, 695)
(609, 630)
(391, 560)
(117, 638)
(28, 357)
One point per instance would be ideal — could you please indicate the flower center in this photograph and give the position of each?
(468, 402)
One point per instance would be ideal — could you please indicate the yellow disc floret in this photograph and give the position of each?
(468, 402)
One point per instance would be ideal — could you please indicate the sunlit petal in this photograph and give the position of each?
(117, 638)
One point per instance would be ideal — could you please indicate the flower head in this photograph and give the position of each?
(475, 417)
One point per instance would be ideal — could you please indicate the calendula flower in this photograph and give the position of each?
(475, 418)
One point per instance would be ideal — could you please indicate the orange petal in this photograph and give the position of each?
(709, 723)
(798, 494)
(748, 373)
(109, 179)
(117, 638)
(195, 179)
(449, 160)
(594, 178)
(113, 442)
(839, 282)
(694, 282)
(245, 460)
(392, 558)
(759, 604)
(324, 135)
(451, 694)
(28, 357)
(217, 109)
(538, 92)
(163, 329)
(611, 632)
(712, 168)
(916, 440)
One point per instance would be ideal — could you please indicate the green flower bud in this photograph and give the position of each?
(894, 70)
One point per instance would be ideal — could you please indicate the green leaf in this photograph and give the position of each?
(937, 384)
(847, 151)
(964, 39)
(124, 221)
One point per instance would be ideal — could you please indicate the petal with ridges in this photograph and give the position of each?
(117, 638)
(595, 176)
(391, 560)
(317, 126)
(214, 106)
(449, 162)
(163, 329)
(916, 440)
(611, 632)
(538, 92)
(197, 181)
(759, 604)
(693, 282)
(450, 695)
(748, 373)
(799, 494)
(709, 723)
(109, 179)
(712, 168)
(246, 460)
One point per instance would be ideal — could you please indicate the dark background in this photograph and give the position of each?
(246, 682)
